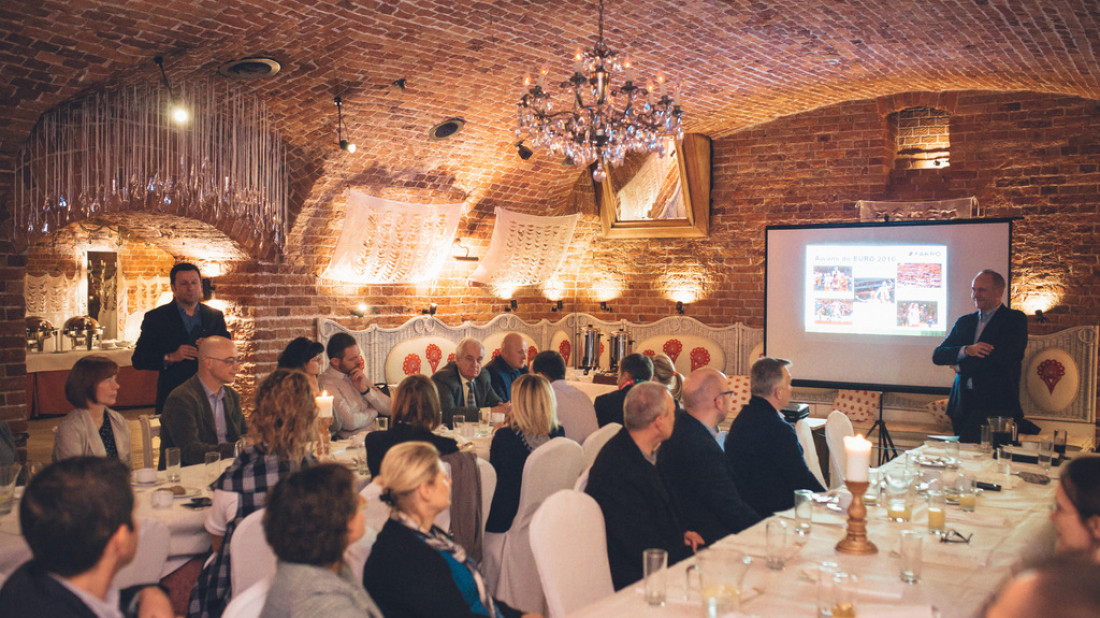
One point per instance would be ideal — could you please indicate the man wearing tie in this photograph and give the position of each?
(464, 386)
(987, 350)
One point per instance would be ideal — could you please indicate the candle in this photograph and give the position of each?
(859, 457)
(628, 66)
(324, 405)
(578, 56)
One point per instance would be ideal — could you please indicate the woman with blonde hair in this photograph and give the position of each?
(278, 430)
(415, 414)
(664, 371)
(93, 428)
(532, 423)
(415, 569)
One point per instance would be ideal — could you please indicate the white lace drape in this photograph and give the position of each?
(383, 241)
(961, 208)
(56, 297)
(524, 249)
(136, 296)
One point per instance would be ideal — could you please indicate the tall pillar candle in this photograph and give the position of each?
(858, 452)
(324, 405)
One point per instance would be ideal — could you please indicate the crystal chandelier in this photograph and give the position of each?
(605, 122)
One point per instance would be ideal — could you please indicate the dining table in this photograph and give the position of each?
(1007, 529)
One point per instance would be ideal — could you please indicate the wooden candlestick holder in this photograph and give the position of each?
(856, 541)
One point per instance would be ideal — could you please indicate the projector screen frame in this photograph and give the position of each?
(871, 386)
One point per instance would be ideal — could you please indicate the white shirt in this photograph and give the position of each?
(575, 411)
(217, 406)
(352, 411)
(103, 608)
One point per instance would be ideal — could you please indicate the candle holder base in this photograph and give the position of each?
(856, 541)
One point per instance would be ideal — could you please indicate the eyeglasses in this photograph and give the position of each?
(954, 536)
(232, 360)
(723, 394)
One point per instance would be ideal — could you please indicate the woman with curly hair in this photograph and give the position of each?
(415, 415)
(279, 429)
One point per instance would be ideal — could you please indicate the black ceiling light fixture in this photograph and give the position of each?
(524, 152)
(248, 69)
(180, 114)
(447, 128)
(340, 128)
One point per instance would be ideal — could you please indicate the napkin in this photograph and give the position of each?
(875, 610)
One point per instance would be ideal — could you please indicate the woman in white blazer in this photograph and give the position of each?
(93, 428)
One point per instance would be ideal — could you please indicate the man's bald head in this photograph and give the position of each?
(702, 395)
(215, 346)
(513, 350)
(217, 362)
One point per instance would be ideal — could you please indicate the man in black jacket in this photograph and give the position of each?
(464, 385)
(171, 333)
(633, 369)
(692, 464)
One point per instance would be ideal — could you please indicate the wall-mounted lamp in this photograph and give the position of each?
(430, 310)
(680, 307)
(340, 128)
(1039, 317)
(523, 151)
(605, 306)
(556, 307)
(359, 310)
(180, 114)
(465, 257)
(512, 305)
(208, 288)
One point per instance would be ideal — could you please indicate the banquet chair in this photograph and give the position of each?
(809, 449)
(595, 441)
(250, 602)
(152, 553)
(251, 557)
(569, 544)
(509, 567)
(837, 427)
(150, 428)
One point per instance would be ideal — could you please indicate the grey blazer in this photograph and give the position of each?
(304, 590)
(78, 434)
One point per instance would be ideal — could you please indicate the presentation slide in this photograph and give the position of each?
(863, 305)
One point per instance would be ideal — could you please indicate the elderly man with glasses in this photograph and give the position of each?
(691, 463)
(203, 415)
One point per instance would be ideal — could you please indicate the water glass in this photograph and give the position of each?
(776, 532)
(1060, 442)
(483, 421)
(212, 466)
(172, 459)
(874, 487)
(845, 588)
(968, 496)
(898, 497)
(721, 574)
(825, 602)
(937, 511)
(1046, 453)
(952, 449)
(458, 424)
(654, 562)
(803, 511)
(987, 439)
(9, 474)
(911, 543)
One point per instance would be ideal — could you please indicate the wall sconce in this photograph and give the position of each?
(465, 257)
(1039, 317)
(556, 307)
(180, 114)
(430, 310)
(512, 305)
(360, 310)
(680, 307)
(605, 306)
(208, 288)
(340, 128)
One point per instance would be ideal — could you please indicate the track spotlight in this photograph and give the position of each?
(512, 305)
(1039, 317)
(430, 310)
(556, 307)
(524, 152)
(360, 310)
(179, 113)
(340, 128)
(400, 83)
(680, 307)
(605, 306)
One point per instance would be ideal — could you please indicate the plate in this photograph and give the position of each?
(137, 483)
(188, 493)
(933, 462)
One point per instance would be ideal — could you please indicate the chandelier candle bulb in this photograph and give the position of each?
(859, 457)
(578, 58)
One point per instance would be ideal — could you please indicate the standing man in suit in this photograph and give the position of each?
(634, 369)
(171, 333)
(986, 349)
(464, 386)
(762, 447)
(693, 467)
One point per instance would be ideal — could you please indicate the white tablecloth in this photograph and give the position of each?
(64, 361)
(952, 579)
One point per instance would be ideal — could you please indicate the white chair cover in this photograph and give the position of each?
(252, 558)
(250, 602)
(595, 441)
(150, 428)
(152, 552)
(837, 426)
(488, 486)
(809, 450)
(510, 570)
(570, 548)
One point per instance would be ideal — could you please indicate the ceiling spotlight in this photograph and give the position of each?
(400, 83)
(524, 152)
(345, 145)
(605, 306)
(556, 307)
(178, 112)
(512, 305)
(1039, 317)
(680, 307)
(432, 307)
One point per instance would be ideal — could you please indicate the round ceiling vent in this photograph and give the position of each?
(446, 128)
(250, 68)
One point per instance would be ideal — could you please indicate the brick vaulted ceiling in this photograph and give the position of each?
(740, 63)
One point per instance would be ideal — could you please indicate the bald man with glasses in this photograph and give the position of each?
(203, 414)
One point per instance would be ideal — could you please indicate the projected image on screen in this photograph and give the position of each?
(876, 289)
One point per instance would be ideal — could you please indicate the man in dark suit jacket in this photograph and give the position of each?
(77, 515)
(633, 369)
(692, 464)
(170, 334)
(637, 510)
(464, 386)
(203, 414)
(762, 447)
(510, 364)
(987, 350)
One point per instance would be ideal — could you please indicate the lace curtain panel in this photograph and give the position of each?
(524, 250)
(56, 297)
(384, 241)
(962, 208)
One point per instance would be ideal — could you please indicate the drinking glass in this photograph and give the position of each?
(172, 457)
(968, 497)
(1060, 443)
(937, 511)
(721, 574)
(952, 449)
(874, 487)
(803, 511)
(776, 532)
(483, 421)
(1046, 453)
(845, 587)
(987, 439)
(212, 465)
(383, 423)
(825, 572)
(911, 543)
(458, 423)
(654, 562)
(9, 474)
(898, 497)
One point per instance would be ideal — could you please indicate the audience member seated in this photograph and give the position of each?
(203, 415)
(633, 369)
(416, 414)
(696, 472)
(311, 518)
(637, 509)
(356, 402)
(1076, 514)
(464, 386)
(305, 355)
(282, 424)
(664, 372)
(575, 411)
(763, 448)
(531, 424)
(415, 569)
(1065, 587)
(92, 428)
(77, 516)
(510, 364)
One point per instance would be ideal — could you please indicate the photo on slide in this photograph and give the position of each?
(874, 290)
(832, 311)
(920, 275)
(918, 314)
(833, 279)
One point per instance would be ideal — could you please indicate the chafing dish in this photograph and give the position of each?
(83, 331)
(38, 331)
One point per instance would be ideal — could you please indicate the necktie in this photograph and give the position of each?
(470, 402)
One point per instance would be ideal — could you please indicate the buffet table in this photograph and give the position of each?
(47, 371)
